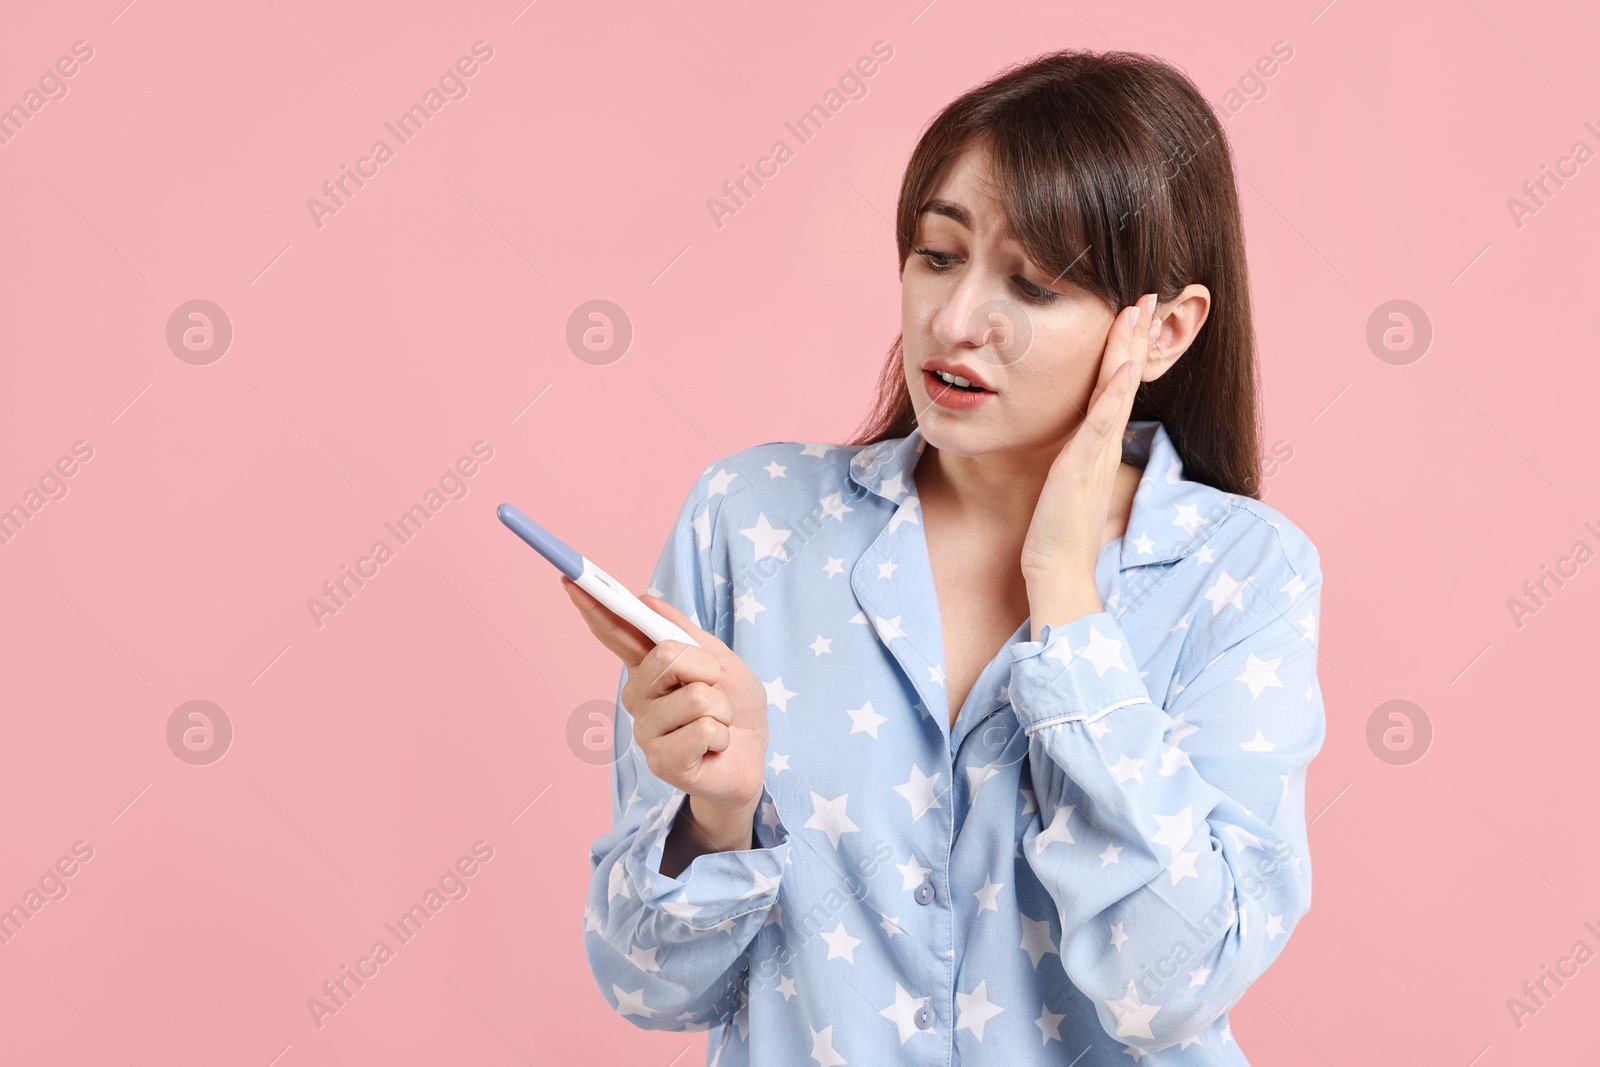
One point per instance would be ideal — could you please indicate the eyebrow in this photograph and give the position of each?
(952, 210)
(948, 210)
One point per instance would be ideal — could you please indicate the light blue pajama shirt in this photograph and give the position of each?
(1074, 874)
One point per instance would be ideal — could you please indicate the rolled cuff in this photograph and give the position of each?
(1075, 672)
(716, 886)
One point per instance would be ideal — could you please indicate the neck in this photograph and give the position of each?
(999, 491)
(1002, 488)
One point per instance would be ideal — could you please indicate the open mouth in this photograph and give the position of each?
(957, 382)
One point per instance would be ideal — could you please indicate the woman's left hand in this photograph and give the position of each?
(1066, 533)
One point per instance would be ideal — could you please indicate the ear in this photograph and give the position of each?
(1181, 319)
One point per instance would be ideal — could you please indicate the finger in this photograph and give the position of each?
(616, 633)
(1139, 342)
(671, 664)
(687, 745)
(670, 612)
(1118, 339)
(681, 706)
(1108, 415)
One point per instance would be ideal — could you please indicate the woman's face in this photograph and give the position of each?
(970, 296)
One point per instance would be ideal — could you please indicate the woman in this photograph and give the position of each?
(994, 745)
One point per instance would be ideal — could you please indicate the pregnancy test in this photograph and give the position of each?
(592, 580)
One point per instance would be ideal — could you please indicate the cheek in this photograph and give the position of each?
(919, 303)
(1056, 375)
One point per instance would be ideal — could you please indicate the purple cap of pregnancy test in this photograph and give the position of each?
(543, 541)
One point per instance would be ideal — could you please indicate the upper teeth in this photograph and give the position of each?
(954, 379)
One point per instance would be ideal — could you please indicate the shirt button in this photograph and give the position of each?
(925, 892)
(924, 1017)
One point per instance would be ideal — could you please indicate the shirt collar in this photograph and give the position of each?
(1170, 517)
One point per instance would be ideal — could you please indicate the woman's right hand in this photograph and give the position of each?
(699, 714)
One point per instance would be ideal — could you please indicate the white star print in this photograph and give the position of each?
(834, 507)
(775, 469)
(1227, 592)
(840, 944)
(1181, 729)
(818, 450)
(976, 776)
(1117, 936)
(631, 1003)
(1173, 757)
(833, 566)
(864, 720)
(889, 629)
(976, 1010)
(1049, 1024)
(912, 873)
(919, 790)
(767, 541)
(779, 763)
(886, 570)
(1308, 627)
(1259, 743)
(761, 884)
(644, 958)
(777, 694)
(1259, 674)
(1057, 830)
(829, 817)
(1036, 939)
(617, 883)
(1182, 866)
(746, 606)
(988, 895)
(681, 910)
(1176, 830)
(903, 1012)
(821, 645)
(1102, 651)
(1132, 1014)
(719, 483)
(822, 1048)
(906, 513)
(1128, 768)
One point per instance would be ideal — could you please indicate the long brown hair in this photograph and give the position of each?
(1115, 175)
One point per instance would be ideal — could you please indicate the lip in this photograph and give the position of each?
(962, 370)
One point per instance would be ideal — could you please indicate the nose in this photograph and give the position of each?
(977, 315)
(957, 323)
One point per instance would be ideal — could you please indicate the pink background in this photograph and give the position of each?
(372, 352)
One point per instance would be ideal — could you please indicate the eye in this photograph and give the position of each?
(941, 263)
(1033, 293)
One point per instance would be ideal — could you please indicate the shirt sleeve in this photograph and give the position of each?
(673, 953)
(1173, 841)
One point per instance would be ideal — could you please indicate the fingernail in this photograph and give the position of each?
(1155, 329)
(1134, 321)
